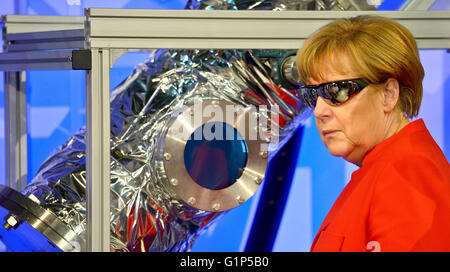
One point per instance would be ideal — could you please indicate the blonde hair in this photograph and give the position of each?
(378, 48)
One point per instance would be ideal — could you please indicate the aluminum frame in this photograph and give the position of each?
(16, 164)
(226, 29)
(45, 40)
(108, 33)
(98, 152)
(37, 23)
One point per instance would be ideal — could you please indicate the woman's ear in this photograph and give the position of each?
(391, 91)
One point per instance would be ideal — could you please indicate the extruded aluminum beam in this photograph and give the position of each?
(45, 60)
(16, 130)
(28, 32)
(98, 152)
(36, 60)
(214, 29)
(37, 23)
(46, 40)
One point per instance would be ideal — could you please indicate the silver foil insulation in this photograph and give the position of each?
(147, 212)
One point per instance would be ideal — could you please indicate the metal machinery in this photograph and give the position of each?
(139, 176)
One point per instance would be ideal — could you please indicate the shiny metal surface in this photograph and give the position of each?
(289, 71)
(22, 208)
(190, 191)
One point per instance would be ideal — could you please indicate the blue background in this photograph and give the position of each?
(56, 110)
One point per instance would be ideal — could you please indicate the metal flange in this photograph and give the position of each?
(26, 209)
(179, 133)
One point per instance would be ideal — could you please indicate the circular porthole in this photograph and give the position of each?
(214, 162)
(217, 161)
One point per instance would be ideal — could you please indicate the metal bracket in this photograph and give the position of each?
(81, 59)
(46, 60)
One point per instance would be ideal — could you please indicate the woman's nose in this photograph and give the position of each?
(322, 109)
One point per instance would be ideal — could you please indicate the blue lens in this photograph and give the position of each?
(215, 155)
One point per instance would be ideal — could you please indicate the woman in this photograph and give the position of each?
(363, 78)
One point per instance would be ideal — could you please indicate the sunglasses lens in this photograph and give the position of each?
(309, 95)
(340, 93)
(334, 93)
(305, 97)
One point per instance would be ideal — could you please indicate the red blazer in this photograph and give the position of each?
(399, 200)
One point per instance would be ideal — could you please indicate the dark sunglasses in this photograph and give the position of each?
(334, 93)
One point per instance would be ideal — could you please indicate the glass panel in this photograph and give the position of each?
(55, 111)
(215, 164)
